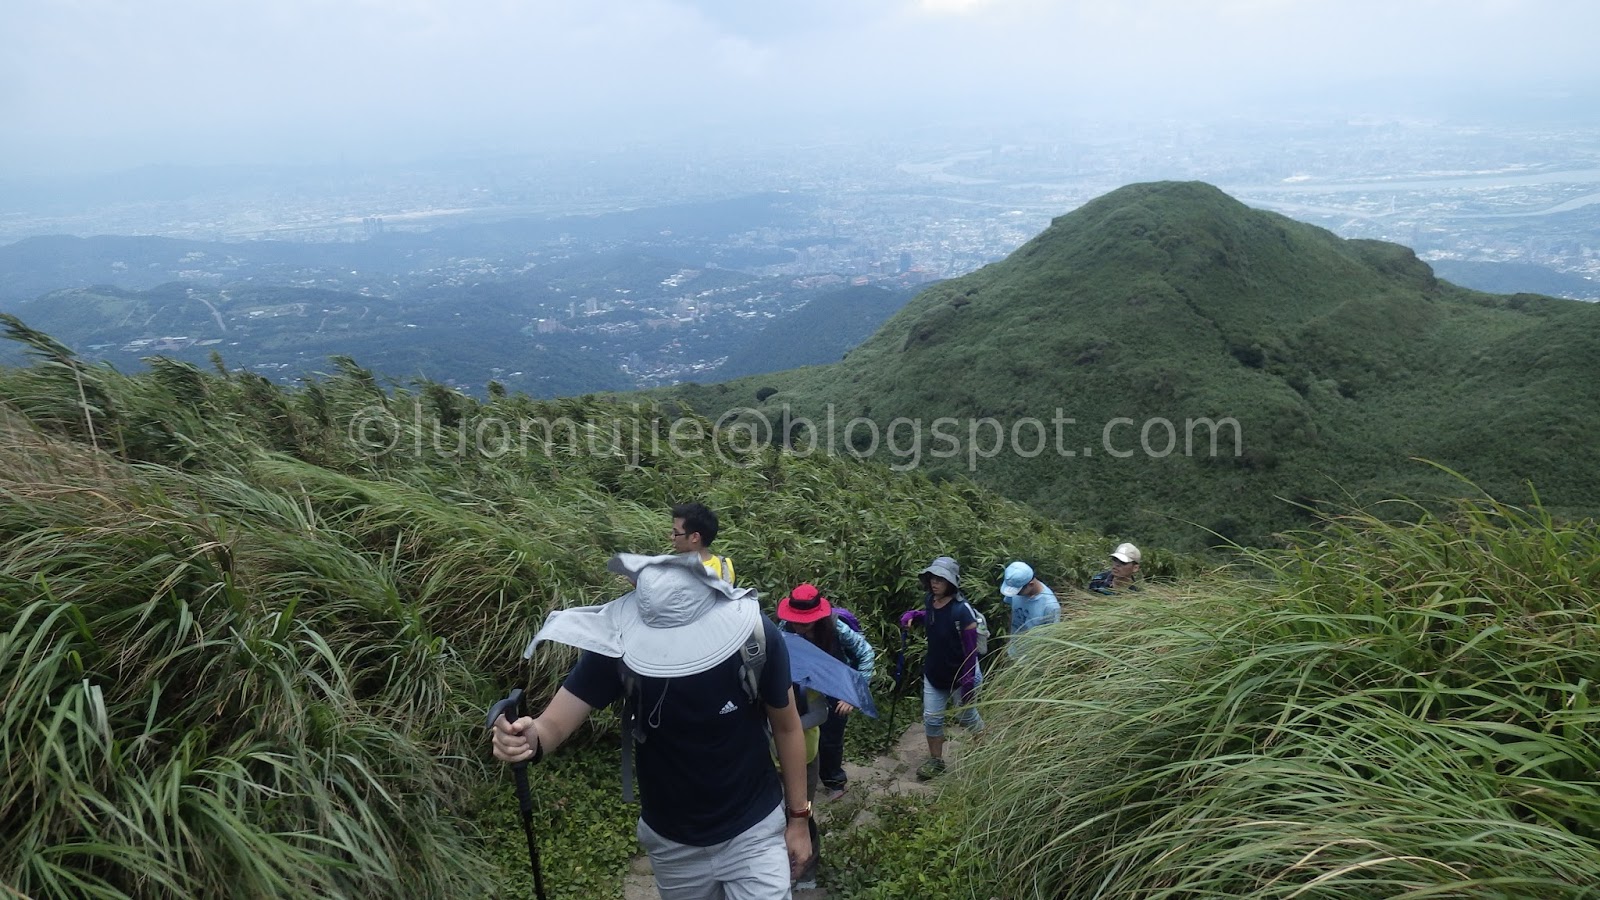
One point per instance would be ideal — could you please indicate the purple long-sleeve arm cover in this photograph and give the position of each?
(966, 673)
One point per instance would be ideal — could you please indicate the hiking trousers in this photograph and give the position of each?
(830, 751)
(936, 701)
(751, 865)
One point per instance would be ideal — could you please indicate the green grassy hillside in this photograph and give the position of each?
(247, 634)
(1154, 312)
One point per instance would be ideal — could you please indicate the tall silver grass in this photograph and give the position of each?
(1393, 710)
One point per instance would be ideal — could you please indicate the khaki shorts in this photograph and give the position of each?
(752, 865)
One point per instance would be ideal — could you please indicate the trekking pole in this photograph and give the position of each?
(899, 684)
(511, 708)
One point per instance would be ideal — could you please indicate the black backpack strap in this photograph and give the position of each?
(752, 659)
(632, 730)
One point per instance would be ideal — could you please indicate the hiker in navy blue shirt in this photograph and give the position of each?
(950, 667)
(712, 806)
(1118, 578)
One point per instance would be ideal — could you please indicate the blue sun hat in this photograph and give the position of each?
(1017, 576)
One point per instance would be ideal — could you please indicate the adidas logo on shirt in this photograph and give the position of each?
(727, 708)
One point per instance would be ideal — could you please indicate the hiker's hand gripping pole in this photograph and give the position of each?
(511, 709)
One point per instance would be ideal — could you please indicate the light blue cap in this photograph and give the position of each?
(1018, 574)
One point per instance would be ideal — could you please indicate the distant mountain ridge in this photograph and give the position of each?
(1161, 305)
(1513, 277)
(687, 232)
(516, 331)
(551, 306)
(821, 331)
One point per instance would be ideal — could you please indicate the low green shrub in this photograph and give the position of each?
(583, 829)
(907, 848)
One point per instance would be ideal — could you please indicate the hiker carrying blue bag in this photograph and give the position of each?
(951, 673)
(810, 615)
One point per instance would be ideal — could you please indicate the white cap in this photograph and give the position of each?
(1127, 553)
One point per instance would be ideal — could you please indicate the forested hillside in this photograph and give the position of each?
(1169, 364)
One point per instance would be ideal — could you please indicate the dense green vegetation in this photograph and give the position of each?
(249, 632)
(1388, 710)
(1172, 305)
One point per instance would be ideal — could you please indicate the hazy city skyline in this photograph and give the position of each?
(97, 85)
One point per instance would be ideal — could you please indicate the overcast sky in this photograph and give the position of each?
(108, 83)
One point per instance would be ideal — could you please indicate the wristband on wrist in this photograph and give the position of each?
(804, 813)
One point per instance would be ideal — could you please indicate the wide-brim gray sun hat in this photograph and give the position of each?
(678, 620)
(945, 567)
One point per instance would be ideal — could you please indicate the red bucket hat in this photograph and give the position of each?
(804, 604)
